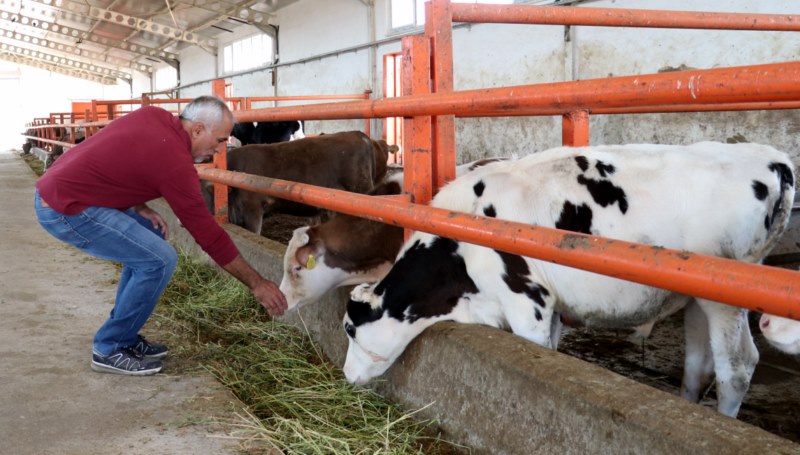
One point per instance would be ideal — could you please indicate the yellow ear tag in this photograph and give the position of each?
(311, 263)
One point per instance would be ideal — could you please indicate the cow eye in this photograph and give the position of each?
(350, 330)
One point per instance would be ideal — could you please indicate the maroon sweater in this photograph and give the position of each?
(139, 157)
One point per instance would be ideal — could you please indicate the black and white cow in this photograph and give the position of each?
(727, 200)
(267, 132)
(345, 250)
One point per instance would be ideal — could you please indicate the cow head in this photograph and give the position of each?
(376, 338)
(311, 268)
(426, 285)
(782, 333)
(306, 277)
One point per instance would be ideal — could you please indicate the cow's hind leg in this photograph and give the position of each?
(698, 365)
(253, 212)
(734, 353)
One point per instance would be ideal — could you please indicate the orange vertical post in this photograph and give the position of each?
(220, 162)
(86, 130)
(418, 164)
(439, 31)
(575, 128)
(95, 115)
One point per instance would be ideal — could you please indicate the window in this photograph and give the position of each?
(247, 53)
(411, 13)
(164, 78)
(392, 83)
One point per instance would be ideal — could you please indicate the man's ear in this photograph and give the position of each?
(197, 128)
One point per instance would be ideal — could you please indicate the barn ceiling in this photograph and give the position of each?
(106, 40)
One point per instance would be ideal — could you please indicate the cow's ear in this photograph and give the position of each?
(308, 255)
(394, 148)
(299, 238)
(310, 251)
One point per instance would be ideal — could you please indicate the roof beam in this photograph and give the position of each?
(144, 25)
(232, 10)
(65, 61)
(49, 25)
(71, 49)
(23, 60)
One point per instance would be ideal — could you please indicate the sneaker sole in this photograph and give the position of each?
(102, 368)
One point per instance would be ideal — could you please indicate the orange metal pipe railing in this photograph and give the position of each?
(775, 82)
(757, 287)
(255, 99)
(50, 141)
(248, 103)
(612, 17)
(659, 109)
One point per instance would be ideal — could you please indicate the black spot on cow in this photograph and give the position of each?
(427, 281)
(361, 312)
(478, 188)
(516, 277)
(583, 162)
(604, 169)
(575, 218)
(785, 173)
(760, 190)
(490, 211)
(777, 208)
(605, 193)
(787, 181)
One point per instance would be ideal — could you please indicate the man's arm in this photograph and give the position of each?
(265, 291)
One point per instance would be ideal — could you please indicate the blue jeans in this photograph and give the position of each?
(148, 262)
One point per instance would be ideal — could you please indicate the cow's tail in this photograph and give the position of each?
(778, 215)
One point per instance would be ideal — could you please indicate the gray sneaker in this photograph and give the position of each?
(126, 361)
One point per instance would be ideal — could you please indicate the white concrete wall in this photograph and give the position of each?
(601, 52)
(197, 65)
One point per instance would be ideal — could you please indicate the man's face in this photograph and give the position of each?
(206, 142)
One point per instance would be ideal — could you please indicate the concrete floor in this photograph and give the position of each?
(52, 299)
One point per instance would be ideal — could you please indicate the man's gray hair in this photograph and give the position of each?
(208, 110)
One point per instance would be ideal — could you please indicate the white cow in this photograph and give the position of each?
(727, 200)
(345, 250)
(782, 333)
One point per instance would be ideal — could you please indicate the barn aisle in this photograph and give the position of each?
(52, 298)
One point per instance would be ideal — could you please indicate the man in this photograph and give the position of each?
(94, 198)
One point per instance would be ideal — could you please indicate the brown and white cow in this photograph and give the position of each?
(348, 161)
(346, 249)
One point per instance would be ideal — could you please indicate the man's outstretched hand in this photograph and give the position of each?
(270, 297)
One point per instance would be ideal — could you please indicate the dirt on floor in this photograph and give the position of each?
(772, 403)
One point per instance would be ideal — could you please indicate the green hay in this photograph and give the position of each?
(36, 165)
(298, 401)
